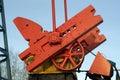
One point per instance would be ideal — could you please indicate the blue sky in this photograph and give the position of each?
(40, 12)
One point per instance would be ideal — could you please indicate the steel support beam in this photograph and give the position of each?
(4, 52)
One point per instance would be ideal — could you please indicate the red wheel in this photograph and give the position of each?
(71, 58)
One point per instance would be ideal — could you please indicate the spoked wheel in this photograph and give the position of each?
(71, 58)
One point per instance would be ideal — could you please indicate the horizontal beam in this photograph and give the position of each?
(2, 50)
(2, 55)
(3, 60)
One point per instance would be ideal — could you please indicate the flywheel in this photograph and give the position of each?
(71, 58)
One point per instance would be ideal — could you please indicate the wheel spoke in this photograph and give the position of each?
(62, 55)
(64, 61)
(72, 61)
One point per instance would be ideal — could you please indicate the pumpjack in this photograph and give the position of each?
(67, 45)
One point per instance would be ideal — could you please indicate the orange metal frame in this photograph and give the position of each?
(44, 45)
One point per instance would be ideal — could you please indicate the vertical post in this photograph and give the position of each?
(53, 15)
(4, 50)
(65, 10)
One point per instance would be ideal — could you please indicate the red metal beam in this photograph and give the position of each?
(53, 15)
(65, 10)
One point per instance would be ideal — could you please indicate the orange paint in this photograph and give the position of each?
(45, 45)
